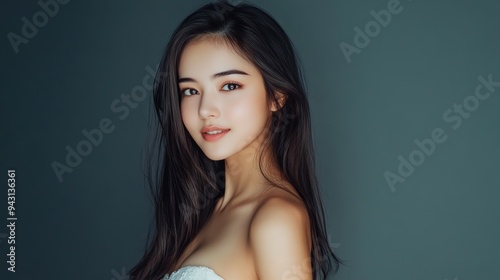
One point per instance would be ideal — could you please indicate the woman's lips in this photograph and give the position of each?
(214, 137)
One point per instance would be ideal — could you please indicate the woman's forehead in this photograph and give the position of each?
(205, 57)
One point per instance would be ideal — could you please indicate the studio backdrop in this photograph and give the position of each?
(405, 104)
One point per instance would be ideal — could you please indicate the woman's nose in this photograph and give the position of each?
(209, 105)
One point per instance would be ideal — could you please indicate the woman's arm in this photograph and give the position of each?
(280, 241)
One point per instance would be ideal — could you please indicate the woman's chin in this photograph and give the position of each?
(215, 156)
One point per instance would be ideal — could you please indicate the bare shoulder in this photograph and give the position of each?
(279, 238)
(277, 207)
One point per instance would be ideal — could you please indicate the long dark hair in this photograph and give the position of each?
(185, 184)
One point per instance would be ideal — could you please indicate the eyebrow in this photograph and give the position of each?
(216, 75)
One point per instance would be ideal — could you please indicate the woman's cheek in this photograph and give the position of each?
(188, 119)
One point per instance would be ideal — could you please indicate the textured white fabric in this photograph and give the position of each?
(193, 272)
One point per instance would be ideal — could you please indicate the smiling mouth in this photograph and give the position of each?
(214, 135)
(214, 132)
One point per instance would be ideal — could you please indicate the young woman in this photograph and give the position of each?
(235, 189)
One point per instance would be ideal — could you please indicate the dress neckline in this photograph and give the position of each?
(194, 266)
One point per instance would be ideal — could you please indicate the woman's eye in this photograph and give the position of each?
(190, 91)
(231, 86)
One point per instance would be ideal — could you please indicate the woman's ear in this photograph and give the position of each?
(281, 100)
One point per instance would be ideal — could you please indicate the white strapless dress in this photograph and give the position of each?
(193, 272)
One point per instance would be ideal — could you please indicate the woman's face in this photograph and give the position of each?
(234, 99)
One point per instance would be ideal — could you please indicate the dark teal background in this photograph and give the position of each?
(442, 222)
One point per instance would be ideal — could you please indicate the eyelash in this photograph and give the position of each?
(227, 83)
